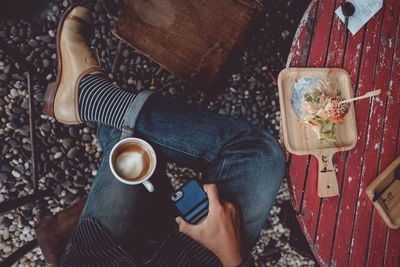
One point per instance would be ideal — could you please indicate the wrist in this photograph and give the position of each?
(231, 260)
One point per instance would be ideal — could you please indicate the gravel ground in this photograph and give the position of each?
(68, 156)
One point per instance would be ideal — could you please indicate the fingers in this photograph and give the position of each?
(212, 194)
(187, 228)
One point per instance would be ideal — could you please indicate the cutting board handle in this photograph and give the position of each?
(327, 181)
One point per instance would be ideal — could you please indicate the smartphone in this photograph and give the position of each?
(191, 201)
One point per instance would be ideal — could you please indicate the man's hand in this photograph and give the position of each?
(220, 232)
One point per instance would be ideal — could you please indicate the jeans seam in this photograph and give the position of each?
(222, 168)
(179, 150)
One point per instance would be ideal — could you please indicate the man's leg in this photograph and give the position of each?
(129, 212)
(245, 162)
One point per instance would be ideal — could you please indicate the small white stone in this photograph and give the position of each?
(16, 174)
(29, 238)
(7, 249)
(26, 230)
(14, 92)
(6, 234)
(52, 34)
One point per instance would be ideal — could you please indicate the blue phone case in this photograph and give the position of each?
(191, 202)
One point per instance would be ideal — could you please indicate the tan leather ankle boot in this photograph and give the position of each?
(75, 60)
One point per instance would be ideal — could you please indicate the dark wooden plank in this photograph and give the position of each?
(317, 58)
(348, 57)
(368, 248)
(392, 248)
(326, 223)
(388, 154)
(298, 57)
(297, 179)
(298, 54)
(390, 142)
(352, 173)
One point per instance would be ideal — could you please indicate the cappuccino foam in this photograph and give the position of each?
(132, 161)
(130, 164)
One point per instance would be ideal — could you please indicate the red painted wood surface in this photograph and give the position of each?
(346, 230)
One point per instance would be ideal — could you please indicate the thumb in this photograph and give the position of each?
(186, 228)
(213, 196)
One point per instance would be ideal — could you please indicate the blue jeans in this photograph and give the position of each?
(244, 161)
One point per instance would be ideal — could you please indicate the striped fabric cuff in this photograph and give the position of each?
(248, 262)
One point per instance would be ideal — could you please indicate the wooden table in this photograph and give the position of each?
(347, 230)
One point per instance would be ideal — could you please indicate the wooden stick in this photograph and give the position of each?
(369, 94)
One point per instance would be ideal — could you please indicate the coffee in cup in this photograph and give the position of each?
(133, 161)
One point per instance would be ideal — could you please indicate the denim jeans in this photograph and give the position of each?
(244, 161)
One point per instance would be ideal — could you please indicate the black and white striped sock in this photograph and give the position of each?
(102, 101)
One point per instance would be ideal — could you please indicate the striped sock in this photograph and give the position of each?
(102, 101)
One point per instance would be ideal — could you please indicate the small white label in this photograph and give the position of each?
(364, 11)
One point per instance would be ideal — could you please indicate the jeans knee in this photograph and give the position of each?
(270, 153)
(271, 146)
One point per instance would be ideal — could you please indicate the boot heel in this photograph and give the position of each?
(49, 96)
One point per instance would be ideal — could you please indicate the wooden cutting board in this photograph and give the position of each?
(192, 39)
(388, 205)
(300, 139)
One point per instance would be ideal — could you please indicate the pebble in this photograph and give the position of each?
(45, 127)
(73, 132)
(86, 137)
(52, 33)
(33, 43)
(7, 249)
(6, 234)
(3, 177)
(73, 152)
(14, 92)
(67, 142)
(16, 174)
(25, 130)
(25, 103)
(6, 222)
(45, 63)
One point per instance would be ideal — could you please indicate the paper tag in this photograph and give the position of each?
(365, 10)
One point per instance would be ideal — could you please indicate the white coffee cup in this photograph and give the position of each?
(133, 161)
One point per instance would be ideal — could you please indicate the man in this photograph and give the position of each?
(124, 225)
